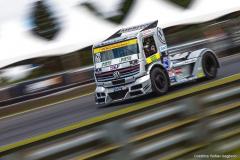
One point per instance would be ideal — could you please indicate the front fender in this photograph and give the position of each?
(154, 64)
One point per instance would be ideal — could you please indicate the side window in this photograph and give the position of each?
(149, 46)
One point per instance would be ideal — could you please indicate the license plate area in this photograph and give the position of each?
(116, 89)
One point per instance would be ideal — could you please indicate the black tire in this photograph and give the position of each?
(159, 80)
(209, 65)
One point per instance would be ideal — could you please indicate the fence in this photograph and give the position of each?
(204, 123)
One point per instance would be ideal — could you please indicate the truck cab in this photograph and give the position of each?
(135, 61)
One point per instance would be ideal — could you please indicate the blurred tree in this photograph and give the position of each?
(182, 3)
(44, 22)
(126, 6)
(119, 10)
(118, 16)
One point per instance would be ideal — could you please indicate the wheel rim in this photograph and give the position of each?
(160, 81)
(210, 65)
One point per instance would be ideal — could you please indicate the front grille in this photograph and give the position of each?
(101, 100)
(138, 86)
(118, 95)
(118, 82)
(135, 93)
(124, 72)
(101, 94)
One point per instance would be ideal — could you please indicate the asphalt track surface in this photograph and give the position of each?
(57, 116)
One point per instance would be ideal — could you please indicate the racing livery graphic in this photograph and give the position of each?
(135, 61)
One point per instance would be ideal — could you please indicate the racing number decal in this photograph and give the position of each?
(153, 58)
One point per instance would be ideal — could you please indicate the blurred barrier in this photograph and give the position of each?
(204, 123)
(46, 85)
(4, 94)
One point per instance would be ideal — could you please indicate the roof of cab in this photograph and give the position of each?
(127, 33)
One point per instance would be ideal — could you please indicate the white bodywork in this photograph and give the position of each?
(129, 76)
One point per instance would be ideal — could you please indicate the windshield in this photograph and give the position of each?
(116, 50)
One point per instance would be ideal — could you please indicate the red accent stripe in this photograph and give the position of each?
(178, 70)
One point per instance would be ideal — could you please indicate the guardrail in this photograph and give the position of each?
(18, 92)
(199, 121)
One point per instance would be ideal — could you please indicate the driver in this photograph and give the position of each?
(149, 47)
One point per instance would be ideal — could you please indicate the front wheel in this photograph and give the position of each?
(159, 80)
(209, 65)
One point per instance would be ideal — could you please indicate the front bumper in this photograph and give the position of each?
(141, 86)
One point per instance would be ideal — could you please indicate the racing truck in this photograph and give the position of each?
(135, 61)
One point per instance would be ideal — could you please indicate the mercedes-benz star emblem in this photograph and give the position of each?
(116, 74)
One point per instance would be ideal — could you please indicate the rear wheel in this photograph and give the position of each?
(159, 80)
(209, 65)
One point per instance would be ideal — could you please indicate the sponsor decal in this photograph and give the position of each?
(180, 77)
(163, 48)
(114, 46)
(125, 59)
(178, 70)
(107, 63)
(173, 79)
(153, 58)
(172, 75)
(147, 31)
(114, 67)
(166, 63)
